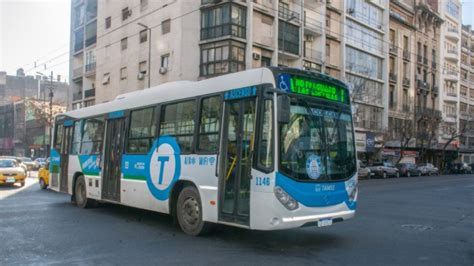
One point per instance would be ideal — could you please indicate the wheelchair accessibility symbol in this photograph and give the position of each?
(284, 82)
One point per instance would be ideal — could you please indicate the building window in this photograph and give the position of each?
(178, 120)
(288, 37)
(126, 13)
(124, 43)
(363, 63)
(166, 26)
(123, 73)
(142, 67)
(108, 22)
(165, 61)
(222, 57)
(143, 4)
(406, 46)
(223, 20)
(143, 36)
(391, 101)
(266, 61)
(91, 33)
(142, 130)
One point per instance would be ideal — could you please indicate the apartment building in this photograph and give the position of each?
(82, 64)
(466, 96)
(401, 90)
(450, 48)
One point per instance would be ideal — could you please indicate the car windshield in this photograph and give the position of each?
(317, 143)
(7, 164)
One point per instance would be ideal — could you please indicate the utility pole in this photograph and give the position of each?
(50, 118)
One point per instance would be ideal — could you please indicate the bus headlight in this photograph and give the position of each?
(353, 194)
(285, 199)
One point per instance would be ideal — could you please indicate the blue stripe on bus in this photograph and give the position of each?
(314, 194)
(116, 114)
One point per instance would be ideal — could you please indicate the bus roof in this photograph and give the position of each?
(177, 90)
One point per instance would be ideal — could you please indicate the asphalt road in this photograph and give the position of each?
(405, 221)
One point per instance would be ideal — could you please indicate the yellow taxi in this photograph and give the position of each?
(43, 176)
(11, 172)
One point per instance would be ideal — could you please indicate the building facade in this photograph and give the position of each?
(466, 96)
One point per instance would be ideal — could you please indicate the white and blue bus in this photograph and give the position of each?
(264, 149)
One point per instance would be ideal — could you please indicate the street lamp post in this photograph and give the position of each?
(149, 50)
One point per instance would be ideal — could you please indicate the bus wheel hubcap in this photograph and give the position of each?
(190, 211)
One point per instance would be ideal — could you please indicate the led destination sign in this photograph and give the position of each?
(298, 85)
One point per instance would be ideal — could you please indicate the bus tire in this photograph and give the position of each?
(189, 212)
(80, 193)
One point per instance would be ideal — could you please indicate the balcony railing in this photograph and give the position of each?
(452, 51)
(433, 64)
(90, 67)
(313, 55)
(393, 49)
(406, 55)
(393, 77)
(421, 112)
(77, 72)
(313, 26)
(425, 61)
(287, 14)
(419, 59)
(435, 90)
(89, 93)
(406, 82)
(421, 85)
(76, 96)
(453, 30)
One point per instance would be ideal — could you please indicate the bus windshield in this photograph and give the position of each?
(317, 144)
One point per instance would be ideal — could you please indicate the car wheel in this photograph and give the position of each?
(42, 184)
(22, 184)
(80, 194)
(189, 212)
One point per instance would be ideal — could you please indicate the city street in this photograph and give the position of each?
(405, 221)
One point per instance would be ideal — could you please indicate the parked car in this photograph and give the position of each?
(29, 163)
(43, 176)
(428, 169)
(363, 171)
(41, 162)
(11, 172)
(384, 169)
(408, 169)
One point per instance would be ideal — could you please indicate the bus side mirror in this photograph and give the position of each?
(283, 103)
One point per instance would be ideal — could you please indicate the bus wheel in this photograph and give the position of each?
(189, 212)
(80, 194)
(42, 184)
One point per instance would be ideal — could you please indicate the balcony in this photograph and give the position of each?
(406, 82)
(452, 34)
(313, 55)
(77, 73)
(452, 55)
(419, 59)
(90, 69)
(433, 65)
(450, 118)
(392, 77)
(406, 55)
(77, 96)
(450, 96)
(89, 93)
(287, 14)
(312, 26)
(422, 86)
(424, 112)
(451, 75)
(393, 49)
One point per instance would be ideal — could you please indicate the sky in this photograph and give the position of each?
(38, 31)
(35, 30)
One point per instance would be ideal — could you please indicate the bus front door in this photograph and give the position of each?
(235, 178)
(114, 141)
(64, 159)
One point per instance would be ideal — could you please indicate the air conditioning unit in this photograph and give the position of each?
(141, 75)
(309, 38)
(256, 56)
(163, 70)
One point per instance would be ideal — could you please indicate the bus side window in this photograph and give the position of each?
(58, 139)
(265, 142)
(76, 141)
(142, 130)
(209, 124)
(177, 119)
(93, 134)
